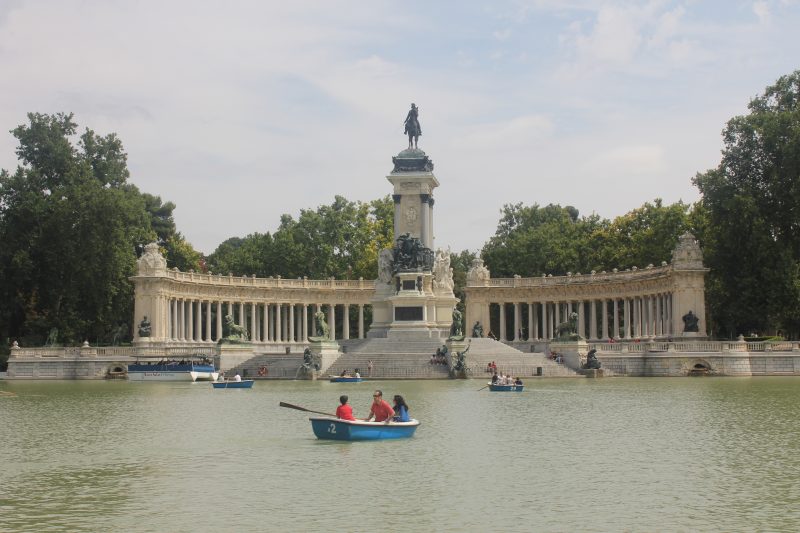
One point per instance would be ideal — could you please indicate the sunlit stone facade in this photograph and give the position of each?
(642, 303)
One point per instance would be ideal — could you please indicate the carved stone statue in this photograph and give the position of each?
(410, 255)
(477, 330)
(52, 338)
(412, 127)
(459, 368)
(591, 360)
(321, 326)
(145, 330)
(690, 323)
(568, 330)
(457, 329)
(477, 273)
(309, 362)
(442, 273)
(385, 265)
(232, 332)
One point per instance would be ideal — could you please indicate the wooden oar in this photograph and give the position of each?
(290, 406)
(481, 388)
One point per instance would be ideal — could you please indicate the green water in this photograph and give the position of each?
(624, 454)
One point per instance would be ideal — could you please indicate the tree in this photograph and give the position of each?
(69, 223)
(748, 216)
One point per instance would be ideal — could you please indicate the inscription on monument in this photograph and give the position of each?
(408, 313)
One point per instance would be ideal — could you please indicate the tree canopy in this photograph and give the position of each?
(749, 216)
(70, 223)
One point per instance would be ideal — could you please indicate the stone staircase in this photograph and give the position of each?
(406, 359)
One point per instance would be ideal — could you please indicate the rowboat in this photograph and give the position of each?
(505, 388)
(346, 379)
(230, 384)
(336, 429)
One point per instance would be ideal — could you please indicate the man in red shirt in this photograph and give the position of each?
(380, 410)
(344, 411)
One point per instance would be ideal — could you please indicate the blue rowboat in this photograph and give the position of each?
(336, 429)
(505, 388)
(346, 379)
(244, 384)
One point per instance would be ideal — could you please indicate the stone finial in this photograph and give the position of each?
(15, 345)
(151, 263)
(85, 344)
(477, 273)
(687, 254)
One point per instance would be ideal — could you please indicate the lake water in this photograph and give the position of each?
(624, 454)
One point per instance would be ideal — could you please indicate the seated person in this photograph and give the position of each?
(380, 410)
(518, 382)
(344, 411)
(357, 375)
(495, 378)
(400, 409)
(237, 377)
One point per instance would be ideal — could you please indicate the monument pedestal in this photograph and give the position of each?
(324, 351)
(573, 352)
(230, 354)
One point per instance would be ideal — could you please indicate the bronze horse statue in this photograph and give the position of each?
(413, 129)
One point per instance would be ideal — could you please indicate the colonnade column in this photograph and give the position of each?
(502, 321)
(626, 318)
(517, 320)
(291, 323)
(604, 307)
(332, 320)
(615, 333)
(532, 333)
(545, 326)
(346, 322)
(593, 319)
(581, 320)
(360, 321)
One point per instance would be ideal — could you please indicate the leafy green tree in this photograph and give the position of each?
(749, 220)
(69, 223)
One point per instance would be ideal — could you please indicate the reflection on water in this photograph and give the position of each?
(565, 455)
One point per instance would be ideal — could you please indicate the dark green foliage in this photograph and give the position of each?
(749, 217)
(340, 240)
(531, 241)
(70, 224)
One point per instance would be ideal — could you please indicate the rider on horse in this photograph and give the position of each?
(413, 128)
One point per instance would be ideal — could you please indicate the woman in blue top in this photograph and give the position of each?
(400, 409)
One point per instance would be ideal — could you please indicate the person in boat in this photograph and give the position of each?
(518, 382)
(495, 378)
(400, 409)
(357, 374)
(344, 411)
(380, 410)
(237, 377)
(343, 374)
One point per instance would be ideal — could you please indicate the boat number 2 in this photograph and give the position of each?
(332, 429)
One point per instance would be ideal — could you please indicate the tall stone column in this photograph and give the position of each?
(627, 317)
(198, 324)
(517, 321)
(190, 320)
(581, 318)
(615, 332)
(556, 314)
(278, 323)
(502, 321)
(604, 319)
(174, 320)
(545, 327)
(346, 322)
(360, 321)
(593, 319)
(253, 322)
(532, 333)
(332, 320)
(291, 323)
(219, 320)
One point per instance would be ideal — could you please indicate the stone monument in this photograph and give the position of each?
(414, 290)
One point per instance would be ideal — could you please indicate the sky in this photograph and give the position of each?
(239, 112)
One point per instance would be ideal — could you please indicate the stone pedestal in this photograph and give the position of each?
(324, 351)
(591, 372)
(573, 352)
(230, 355)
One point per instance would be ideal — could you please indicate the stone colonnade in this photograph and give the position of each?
(201, 320)
(636, 303)
(598, 319)
(190, 307)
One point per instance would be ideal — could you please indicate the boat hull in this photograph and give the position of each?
(340, 379)
(506, 388)
(335, 429)
(244, 384)
(171, 372)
